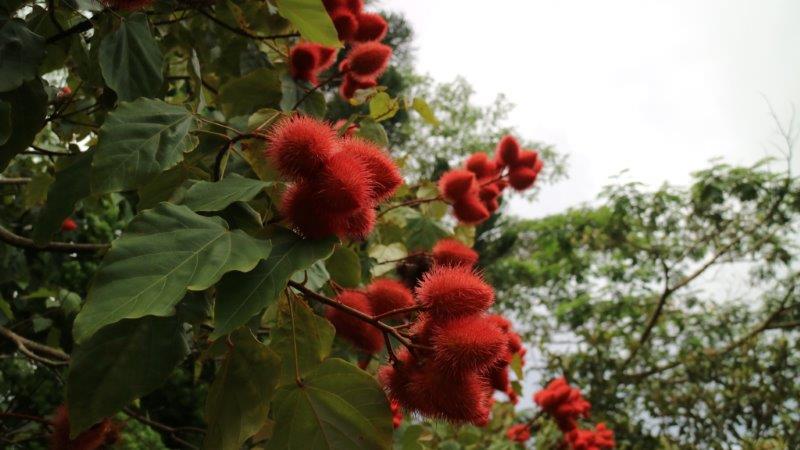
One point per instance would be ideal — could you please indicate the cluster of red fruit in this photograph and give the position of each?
(337, 182)
(103, 434)
(475, 190)
(367, 58)
(565, 405)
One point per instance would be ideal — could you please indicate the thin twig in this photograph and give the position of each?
(314, 89)
(21, 180)
(245, 33)
(412, 202)
(172, 431)
(26, 347)
(397, 311)
(65, 247)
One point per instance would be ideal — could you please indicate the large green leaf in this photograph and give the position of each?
(138, 141)
(311, 19)
(238, 400)
(344, 266)
(242, 295)
(164, 251)
(208, 196)
(28, 110)
(302, 339)
(21, 52)
(131, 61)
(258, 89)
(119, 364)
(337, 407)
(423, 233)
(71, 185)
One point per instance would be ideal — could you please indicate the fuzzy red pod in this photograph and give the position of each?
(480, 164)
(451, 252)
(350, 85)
(366, 62)
(397, 414)
(422, 332)
(98, 436)
(597, 439)
(388, 295)
(470, 210)
(344, 184)
(384, 175)
(354, 6)
(537, 167)
(69, 225)
(303, 61)
(500, 321)
(497, 376)
(469, 343)
(300, 146)
(520, 432)
(563, 402)
(514, 343)
(302, 207)
(501, 185)
(492, 205)
(527, 158)
(359, 333)
(521, 178)
(450, 292)
(508, 150)
(345, 22)
(456, 184)
(356, 225)
(488, 193)
(326, 56)
(603, 436)
(128, 5)
(371, 27)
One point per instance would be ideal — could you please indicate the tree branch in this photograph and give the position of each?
(172, 431)
(242, 32)
(25, 346)
(12, 181)
(64, 247)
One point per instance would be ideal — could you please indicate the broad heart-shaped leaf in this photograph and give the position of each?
(71, 185)
(28, 110)
(240, 296)
(258, 89)
(311, 19)
(208, 196)
(21, 52)
(338, 407)
(131, 61)
(138, 141)
(302, 339)
(423, 233)
(344, 266)
(119, 364)
(238, 400)
(164, 251)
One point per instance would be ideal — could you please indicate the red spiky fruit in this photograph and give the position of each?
(302, 207)
(450, 292)
(514, 343)
(357, 224)
(344, 185)
(69, 225)
(388, 295)
(326, 56)
(354, 6)
(98, 436)
(500, 321)
(359, 333)
(383, 173)
(470, 210)
(520, 432)
(469, 343)
(508, 150)
(303, 61)
(526, 158)
(450, 252)
(368, 61)
(480, 164)
(350, 85)
(521, 178)
(456, 184)
(345, 22)
(300, 146)
(488, 193)
(371, 27)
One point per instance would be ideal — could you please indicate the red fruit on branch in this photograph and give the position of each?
(98, 436)
(345, 22)
(527, 158)
(521, 178)
(350, 85)
(457, 184)
(470, 343)
(356, 225)
(366, 62)
(69, 225)
(344, 184)
(371, 27)
(300, 146)
(302, 207)
(520, 432)
(384, 175)
(500, 321)
(388, 295)
(480, 164)
(470, 210)
(450, 292)
(450, 252)
(359, 333)
(303, 61)
(563, 402)
(597, 439)
(508, 150)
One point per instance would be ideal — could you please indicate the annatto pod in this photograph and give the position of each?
(357, 224)
(450, 252)
(98, 436)
(367, 61)
(508, 150)
(350, 85)
(456, 184)
(527, 158)
(470, 210)
(388, 295)
(300, 146)
(303, 62)
(521, 178)
(469, 343)
(303, 208)
(480, 164)
(384, 176)
(450, 292)
(371, 27)
(345, 22)
(344, 185)
(359, 333)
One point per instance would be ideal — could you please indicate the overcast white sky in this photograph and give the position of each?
(656, 87)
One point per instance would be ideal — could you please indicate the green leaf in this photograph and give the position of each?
(21, 52)
(71, 184)
(131, 61)
(373, 131)
(344, 267)
(423, 233)
(425, 111)
(389, 252)
(383, 107)
(302, 339)
(238, 399)
(28, 110)
(166, 187)
(119, 364)
(138, 141)
(5, 122)
(258, 89)
(311, 19)
(208, 196)
(242, 295)
(35, 192)
(338, 407)
(164, 251)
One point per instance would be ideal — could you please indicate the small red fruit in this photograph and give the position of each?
(480, 164)
(359, 333)
(450, 292)
(345, 22)
(371, 27)
(300, 146)
(508, 150)
(367, 61)
(387, 295)
(384, 175)
(450, 252)
(69, 225)
(350, 85)
(521, 178)
(456, 184)
(469, 343)
(520, 432)
(470, 210)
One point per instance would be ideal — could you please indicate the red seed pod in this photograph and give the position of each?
(450, 292)
(300, 146)
(469, 343)
(489, 192)
(356, 225)
(470, 210)
(497, 377)
(98, 436)
(603, 436)
(456, 184)
(387, 295)
(350, 85)
(514, 343)
(69, 225)
(450, 252)
(520, 432)
(344, 185)
(302, 207)
(480, 164)
(527, 158)
(354, 6)
(562, 402)
(521, 178)
(345, 22)
(366, 62)
(383, 173)
(501, 185)
(128, 5)
(537, 167)
(359, 333)
(508, 150)
(501, 322)
(306, 60)
(491, 205)
(371, 27)
(326, 56)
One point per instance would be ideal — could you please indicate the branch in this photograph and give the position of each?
(79, 27)
(224, 151)
(25, 346)
(412, 202)
(165, 428)
(313, 89)
(245, 33)
(12, 181)
(64, 247)
(399, 311)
